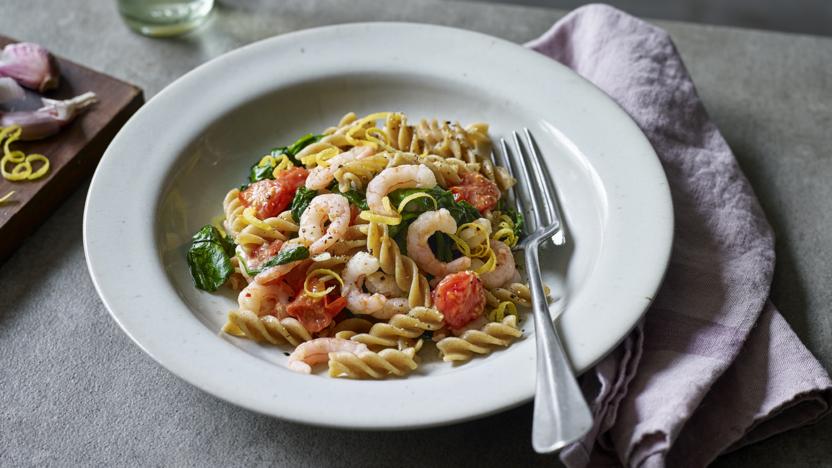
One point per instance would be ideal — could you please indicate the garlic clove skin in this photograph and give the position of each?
(10, 91)
(49, 119)
(29, 64)
(34, 125)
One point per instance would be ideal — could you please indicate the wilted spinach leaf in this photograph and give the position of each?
(296, 147)
(209, 258)
(355, 197)
(258, 172)
(291, 254)
(303, 197)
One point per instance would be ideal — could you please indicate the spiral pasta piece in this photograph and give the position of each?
(372, 365)
(448, 171)
(355, 175)
(401, 328)
(266, 328)
(518, 293)
(281, 227)
(233, 209)
(403, 268)
(479, 342)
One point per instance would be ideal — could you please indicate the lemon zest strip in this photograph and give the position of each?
(6, 197)
(498, 313)
(324, 275)
(249, 217)
(414, 196)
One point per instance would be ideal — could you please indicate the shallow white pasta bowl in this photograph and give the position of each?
(166, 173)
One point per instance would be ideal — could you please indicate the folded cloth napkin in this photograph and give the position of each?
(713, 366)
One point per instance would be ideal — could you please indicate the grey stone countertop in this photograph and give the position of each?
(75, 390)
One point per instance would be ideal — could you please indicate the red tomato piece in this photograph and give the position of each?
(478, 191)
(460, 297)
(311, 313)
(271, 197)
(266, 252)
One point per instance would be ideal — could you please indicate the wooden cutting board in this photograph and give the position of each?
(73, 153)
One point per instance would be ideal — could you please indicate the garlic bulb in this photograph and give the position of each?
(29, 64)
(49, 119)
(10, 90)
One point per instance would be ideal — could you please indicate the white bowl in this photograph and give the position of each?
(166, 173)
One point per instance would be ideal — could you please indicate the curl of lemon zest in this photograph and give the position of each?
(506, 236)
(216, 221)
(351, 138)
(461, 244)
(372, 118)
(359, 124)
(505, 231)
(414, 196)
(377, 136)
(490, 265)
(383, 219)
(282, 163)
(504, 308)
(323, 274)
(267, 160)
(250, 218)
(5, 198)
(322, 157)
(480, 250)
(22, 169)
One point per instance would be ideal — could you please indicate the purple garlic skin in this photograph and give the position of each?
(49, 119)
(10, 91)
(29, 64)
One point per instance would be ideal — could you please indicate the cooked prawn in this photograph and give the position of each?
(321, 176)
(377, 305)
(505, 270)
(276, 272)
(265, 299)
(317, 351)
(393, 178)
(382, 283)
(332, 207)
(418, 249)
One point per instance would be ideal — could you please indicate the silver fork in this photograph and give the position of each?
(561, 415)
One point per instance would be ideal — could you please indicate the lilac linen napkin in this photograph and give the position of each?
(713, 366)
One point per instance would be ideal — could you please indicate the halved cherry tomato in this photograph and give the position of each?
(311, 313)
(335, 307)
(270, 197)
(478, 191)
(460, 297)
(266, 251)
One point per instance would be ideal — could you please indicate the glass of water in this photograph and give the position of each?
(159, 18)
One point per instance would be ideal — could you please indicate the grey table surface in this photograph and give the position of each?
(75, 390)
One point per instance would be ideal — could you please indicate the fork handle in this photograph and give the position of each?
(561, 415)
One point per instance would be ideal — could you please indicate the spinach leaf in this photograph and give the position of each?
(462, 211)
(517, 218)
(401, 228)
(303, 197)
(295, 148)
(355, 197)
(442, 247)
(302, 143)
(293, 254)
(258, 172)
(209, 258)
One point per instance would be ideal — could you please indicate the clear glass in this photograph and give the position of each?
(160, 18)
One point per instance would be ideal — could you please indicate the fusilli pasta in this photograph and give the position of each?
(483, 341)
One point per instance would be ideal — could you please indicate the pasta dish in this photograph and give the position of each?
(359, 245)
